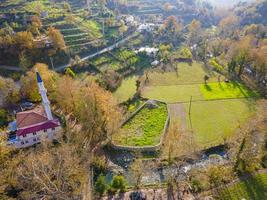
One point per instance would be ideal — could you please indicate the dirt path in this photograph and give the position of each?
(178, 115)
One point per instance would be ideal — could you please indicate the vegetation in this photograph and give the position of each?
(126, 90)
(226, 90)
(145, 128)
(252, 188)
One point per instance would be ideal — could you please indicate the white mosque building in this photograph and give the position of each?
(30, 127)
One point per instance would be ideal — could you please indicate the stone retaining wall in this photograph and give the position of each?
(144, 148)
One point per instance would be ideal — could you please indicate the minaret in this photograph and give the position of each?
(45, 100)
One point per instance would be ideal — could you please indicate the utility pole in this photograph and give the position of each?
(190, 105)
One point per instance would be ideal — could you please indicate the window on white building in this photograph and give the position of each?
(34, 133)
(45, 130)
(26, 141)
(22, 143)
(53, 129)
(24, 135)
(34, 139)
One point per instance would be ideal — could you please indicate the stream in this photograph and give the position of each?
(157, 175)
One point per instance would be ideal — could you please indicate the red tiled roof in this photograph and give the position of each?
(38, 127)
(28, 118)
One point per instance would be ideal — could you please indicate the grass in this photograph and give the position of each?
(253, 188)
(173, 93)
(210, 91)
(224, 90)
(186, 74)
(126, 90)
(214, 121)
(144, 129)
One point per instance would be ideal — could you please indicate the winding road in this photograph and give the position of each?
(62, 67)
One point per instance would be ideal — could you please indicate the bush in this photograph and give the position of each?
(264, 161)
(101, 186)
(3, 117)
(119, 183)
(185, 53)
(197, 185)
(214, 63)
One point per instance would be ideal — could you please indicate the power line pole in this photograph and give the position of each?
(190, 105)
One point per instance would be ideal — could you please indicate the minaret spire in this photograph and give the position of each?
(45, 100)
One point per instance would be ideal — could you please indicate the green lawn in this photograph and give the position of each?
(126, 90)
(144, 129)
(186, 75)
(212, 121)
(224, 90)
(254, 188)
(173, 93)
(211, 91)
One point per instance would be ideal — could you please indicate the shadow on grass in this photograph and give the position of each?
(250, 187)
(207, 87)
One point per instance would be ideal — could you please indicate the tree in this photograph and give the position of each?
(229, 24)
(24, 40)
(51, 173)
(194, 29)
(137, 172)
(164, 52)
(57, 38)
(3, 117)
(29, 87)
(9, 91)
(100, 185)
(95, 109)
(119, 183)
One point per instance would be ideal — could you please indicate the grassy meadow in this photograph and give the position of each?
(144, 129)
(253, 188)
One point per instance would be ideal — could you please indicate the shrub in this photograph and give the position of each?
(185, 53)
(197, 185)
(264, 161)
(3, 117)
(214, 63)
(101, 186)
(119, 183)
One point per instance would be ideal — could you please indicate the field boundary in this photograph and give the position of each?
(144, 148)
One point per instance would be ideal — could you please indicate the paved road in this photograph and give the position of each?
(62, 67)
(11, 68)
(110, 48)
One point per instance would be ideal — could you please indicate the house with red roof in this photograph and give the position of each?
(32, 126)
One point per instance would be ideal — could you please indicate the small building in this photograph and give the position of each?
(42, 42)
(148, 27)
(150, 51)
(31, 126)
(155, 63)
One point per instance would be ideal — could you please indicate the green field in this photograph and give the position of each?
(254, 188)
(214, 121)
(126, 90)
(224, 90)
(186, 74)
(210, 91)
(144, 129)
(173, 93)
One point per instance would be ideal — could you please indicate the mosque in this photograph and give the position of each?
(32, 126)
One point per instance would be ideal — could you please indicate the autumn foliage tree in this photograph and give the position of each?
(9, 91)
(57, 38)
(94, 108)
(29, 88)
